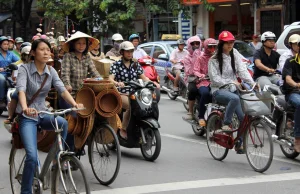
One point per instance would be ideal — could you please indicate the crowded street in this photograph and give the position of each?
(184, 165)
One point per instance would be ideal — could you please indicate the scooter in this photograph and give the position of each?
(142, 130)
(10, 84)
(150, 72)
(169, 80)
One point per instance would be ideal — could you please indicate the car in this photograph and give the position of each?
(282, 42)
(161, 51)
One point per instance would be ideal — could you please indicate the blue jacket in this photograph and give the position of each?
(9, 59)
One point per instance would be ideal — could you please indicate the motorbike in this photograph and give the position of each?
(10, 85)
(169, 88)
(142, 130)
(150, 72)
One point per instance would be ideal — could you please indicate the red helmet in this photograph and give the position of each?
(226, 36)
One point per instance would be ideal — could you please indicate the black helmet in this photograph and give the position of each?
(24, 44)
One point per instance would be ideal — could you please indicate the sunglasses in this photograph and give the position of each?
(195, 43)
(212, 46)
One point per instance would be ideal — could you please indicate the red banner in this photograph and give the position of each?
(197, 2)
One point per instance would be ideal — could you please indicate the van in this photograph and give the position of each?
(283, 40)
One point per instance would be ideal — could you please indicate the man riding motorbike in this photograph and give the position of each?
(266, 61)
(126, 70)
(176, 57)
(291, 86)
(117, 39)
(193, 46)
(6, 58)
(138, 52)
(294, 49)
(201, 72)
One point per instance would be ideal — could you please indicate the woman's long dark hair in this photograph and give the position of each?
(219, 57)
(72, 45)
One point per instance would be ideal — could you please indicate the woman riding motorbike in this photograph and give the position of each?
(201, 72)
(30, 79)
(193, 47)
(222, 69)
(126, 70)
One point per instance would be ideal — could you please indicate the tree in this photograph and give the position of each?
(112, 13)
(21, 10)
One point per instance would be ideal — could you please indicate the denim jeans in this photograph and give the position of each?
(2, 86)
(294, 99)
(62, 104)
(233, 105)
(28, 133)
(204, 99)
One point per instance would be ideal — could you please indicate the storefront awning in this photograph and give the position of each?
(197, 2)
(4, 16)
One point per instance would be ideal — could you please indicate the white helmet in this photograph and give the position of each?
(294, 38)
(61, 39)
(117, 37)
(126, 45)
(268, 36)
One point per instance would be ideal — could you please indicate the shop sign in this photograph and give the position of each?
(197, 2)
(185, 26)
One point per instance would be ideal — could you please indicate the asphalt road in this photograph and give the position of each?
(184, 165)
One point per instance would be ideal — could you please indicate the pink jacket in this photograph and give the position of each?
(201, 64)
(190, 59)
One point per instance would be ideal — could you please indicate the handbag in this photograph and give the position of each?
(16, 137)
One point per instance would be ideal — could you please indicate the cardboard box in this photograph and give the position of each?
(103, 66)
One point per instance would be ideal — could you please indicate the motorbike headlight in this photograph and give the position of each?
(146, 96)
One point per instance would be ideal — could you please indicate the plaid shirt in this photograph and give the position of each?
(73, 70)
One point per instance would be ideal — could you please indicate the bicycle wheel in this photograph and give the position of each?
(67, 181)
(16, 166)
(258, 145)
(214, 123)
(104, 160)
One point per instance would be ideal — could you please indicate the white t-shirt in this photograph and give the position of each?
(139, 53)
(178, 55)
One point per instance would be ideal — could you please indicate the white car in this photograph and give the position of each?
(282, 42)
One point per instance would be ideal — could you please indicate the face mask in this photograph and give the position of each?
(116, 46)
(195, 47)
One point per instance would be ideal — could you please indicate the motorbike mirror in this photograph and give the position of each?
(13, 67)
(163, 57)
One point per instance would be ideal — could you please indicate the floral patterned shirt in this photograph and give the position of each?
(217, 79)
(122, 73)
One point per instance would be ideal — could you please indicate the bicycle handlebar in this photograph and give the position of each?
(60, 112)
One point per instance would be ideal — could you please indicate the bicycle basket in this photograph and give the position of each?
(256, 104)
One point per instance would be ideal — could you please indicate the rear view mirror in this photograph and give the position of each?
(163, 57)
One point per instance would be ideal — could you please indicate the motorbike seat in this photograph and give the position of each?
(286, 106)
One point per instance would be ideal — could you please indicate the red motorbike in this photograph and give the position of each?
(150, 72)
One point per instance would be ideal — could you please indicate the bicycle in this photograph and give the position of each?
(61, 174)
(253, 139)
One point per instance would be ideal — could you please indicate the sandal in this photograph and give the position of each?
(8, 121)
(121, 136)
(238, 146)
(202, 123)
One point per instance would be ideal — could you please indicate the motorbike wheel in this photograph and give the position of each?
(170, 86)
(199, 131)
(283, 130)
(157, 91)
(153, 139)
(1, 111)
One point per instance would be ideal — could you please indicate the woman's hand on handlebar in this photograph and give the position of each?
(121, 84)
(32, 112)
(79, 106)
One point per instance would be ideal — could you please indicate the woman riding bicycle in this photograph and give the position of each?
(201, 72)
(30, 79)
(223, 68)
